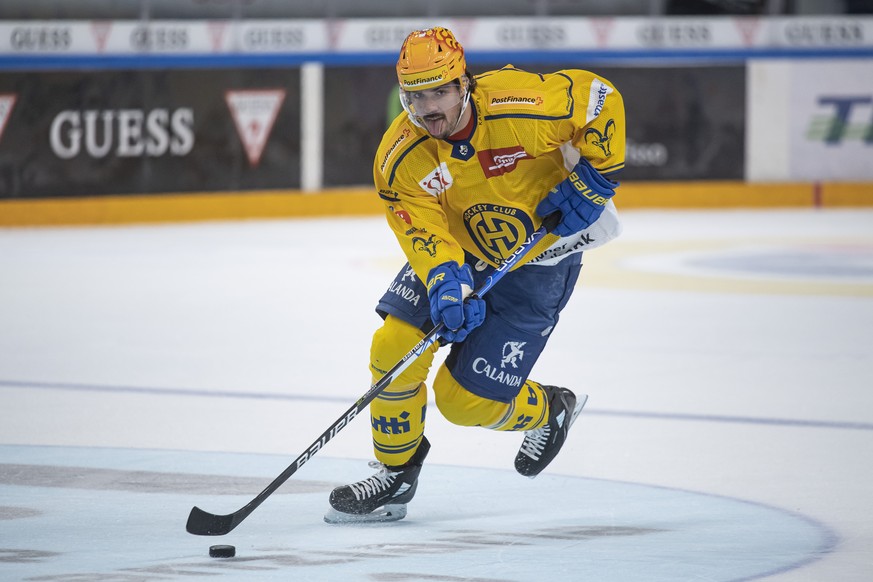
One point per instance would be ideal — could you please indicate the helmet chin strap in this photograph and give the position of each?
(461, 113)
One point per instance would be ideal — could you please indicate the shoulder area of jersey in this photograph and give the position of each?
(399, 136)
(513, 91)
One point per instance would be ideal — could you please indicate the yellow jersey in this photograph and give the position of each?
(479, 194)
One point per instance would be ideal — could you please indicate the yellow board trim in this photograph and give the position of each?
(363, 201)
(188, 207)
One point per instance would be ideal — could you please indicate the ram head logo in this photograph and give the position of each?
(427, 245)
(601, 140)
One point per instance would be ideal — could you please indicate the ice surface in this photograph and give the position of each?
(728, 357)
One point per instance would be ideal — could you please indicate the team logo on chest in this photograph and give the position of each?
(497, 230)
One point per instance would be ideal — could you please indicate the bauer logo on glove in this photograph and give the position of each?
(449, 298)
(580, 198)
(435, 279)
(585, 191)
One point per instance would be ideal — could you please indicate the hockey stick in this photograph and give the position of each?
(203, 523)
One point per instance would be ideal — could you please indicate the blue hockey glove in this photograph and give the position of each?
(580, 198)
(447, 287)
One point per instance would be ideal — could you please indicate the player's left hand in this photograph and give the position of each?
(449, 287)
(580, 198)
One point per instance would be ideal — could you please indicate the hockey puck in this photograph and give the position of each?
(222, 551)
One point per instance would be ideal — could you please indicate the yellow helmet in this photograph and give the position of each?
(430, 58)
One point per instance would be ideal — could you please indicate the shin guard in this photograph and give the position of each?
(397, 415)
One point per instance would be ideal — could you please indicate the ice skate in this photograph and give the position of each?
(381, 497)
(541, 446)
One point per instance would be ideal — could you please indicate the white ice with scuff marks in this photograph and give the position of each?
(727, 393)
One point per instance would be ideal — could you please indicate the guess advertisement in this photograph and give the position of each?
(125, 132)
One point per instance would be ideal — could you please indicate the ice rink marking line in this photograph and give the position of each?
(841, 425)
(829, 542)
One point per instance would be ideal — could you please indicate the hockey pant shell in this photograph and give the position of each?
(527, 411)
(484, 380)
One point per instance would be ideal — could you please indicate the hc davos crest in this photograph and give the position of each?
(497, 230)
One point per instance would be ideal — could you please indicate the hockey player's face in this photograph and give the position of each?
(437, 109)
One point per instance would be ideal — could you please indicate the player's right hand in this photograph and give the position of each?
(449, 289)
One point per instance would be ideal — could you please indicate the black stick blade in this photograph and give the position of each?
(202, 523)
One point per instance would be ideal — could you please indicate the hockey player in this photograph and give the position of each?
(467, 172)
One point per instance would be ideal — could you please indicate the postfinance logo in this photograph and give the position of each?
(497, 230)
(516, 98)
(396, 140)
(429, 77)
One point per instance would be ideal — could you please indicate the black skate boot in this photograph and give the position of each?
(542, 445)
(382, 497)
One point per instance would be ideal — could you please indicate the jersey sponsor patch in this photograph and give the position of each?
(438, 181)
(401, 214)
(500, 161)
(389, 195)
(497, 230)
(596, 99)
(516, 99)
(395, 142)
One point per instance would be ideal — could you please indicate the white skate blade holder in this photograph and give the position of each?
(580, 404)
(384, 514)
